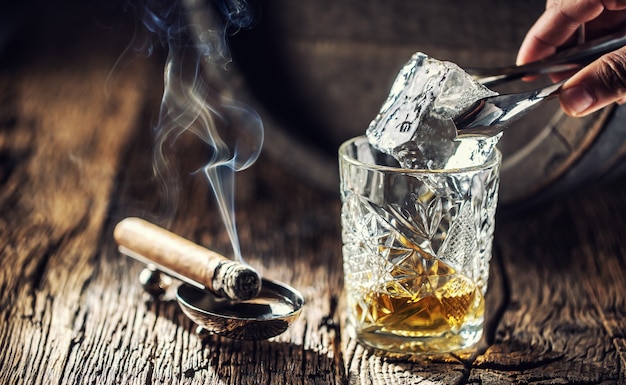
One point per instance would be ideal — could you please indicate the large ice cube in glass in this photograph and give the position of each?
(415, 124)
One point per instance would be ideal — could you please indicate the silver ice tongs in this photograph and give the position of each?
(562, 61)
(490, 115)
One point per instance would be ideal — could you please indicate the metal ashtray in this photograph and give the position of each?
(267, 315)
(224, 297)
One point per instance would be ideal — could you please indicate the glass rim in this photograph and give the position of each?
(493, 159)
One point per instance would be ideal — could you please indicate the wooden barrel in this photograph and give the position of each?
(319, 72)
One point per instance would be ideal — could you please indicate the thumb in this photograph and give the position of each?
(596, 85)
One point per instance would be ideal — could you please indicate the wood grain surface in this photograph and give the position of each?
(75, 158)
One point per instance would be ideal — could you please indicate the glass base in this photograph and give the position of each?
(449, 342)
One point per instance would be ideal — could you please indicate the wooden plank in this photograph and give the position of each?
(62, 141)
(564, 268)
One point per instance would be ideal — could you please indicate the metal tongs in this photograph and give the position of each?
(488, 116)
(565, 60)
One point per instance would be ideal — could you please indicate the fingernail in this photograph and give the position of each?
(577, 99)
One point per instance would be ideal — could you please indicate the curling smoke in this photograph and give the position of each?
(195, 38)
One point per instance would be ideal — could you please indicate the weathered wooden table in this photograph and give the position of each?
(75, 158)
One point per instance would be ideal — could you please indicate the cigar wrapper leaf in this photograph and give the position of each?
(185, 260)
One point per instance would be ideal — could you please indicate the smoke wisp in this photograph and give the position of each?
(194, 32)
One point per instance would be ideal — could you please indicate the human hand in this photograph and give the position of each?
(598, 84)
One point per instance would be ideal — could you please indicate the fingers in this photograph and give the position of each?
(600, 83)
(597, 85)
(555, 26)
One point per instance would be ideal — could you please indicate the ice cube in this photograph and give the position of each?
(415, 124)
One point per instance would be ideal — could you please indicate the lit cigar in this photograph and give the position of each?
(185, 260)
